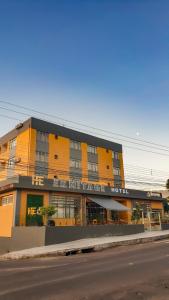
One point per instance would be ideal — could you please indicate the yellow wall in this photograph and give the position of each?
(7, 216)
(4, 155)
(6, 220)
(22, 152)
(25, 152)
(23, 205)
(122, 169)
(32, 152)
(156, 205)
(59, 146)
(104, 160)
(84, 162)
(126, 215)
(60, 167)
(64, 222)
(26, 149)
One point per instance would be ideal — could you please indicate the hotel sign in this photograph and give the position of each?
(38, 180)
(77, 186)
(120, 191)
(155, 194)
(83, 186)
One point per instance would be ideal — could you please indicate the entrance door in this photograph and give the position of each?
(154, 218)
(34, 202)
(95, 214)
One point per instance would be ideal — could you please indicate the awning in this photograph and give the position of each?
(109, 203)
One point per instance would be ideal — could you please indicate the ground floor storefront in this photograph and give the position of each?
(76, 203)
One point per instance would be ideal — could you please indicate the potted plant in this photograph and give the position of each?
(46, 212)
(136, 213)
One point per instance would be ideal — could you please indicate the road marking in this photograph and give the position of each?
(44, 282)
(161, 242)
(27, 269)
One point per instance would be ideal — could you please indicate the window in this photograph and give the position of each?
(75, 145)
(41, 156)
(117, 184)
(56, 156)
(93, 167)
(116, 171)
(42, 136)
(6, 200)
(75, 164)
(91, 149)
(115, 155)
(66, 206)
(12, 144)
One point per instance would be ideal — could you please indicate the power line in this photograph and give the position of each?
(29, 167)
(135, 148)
(129, 174)
(10, 118)
(129, 169)
(81, 124)
(100, 134)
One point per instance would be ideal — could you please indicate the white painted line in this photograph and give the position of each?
(131, 264)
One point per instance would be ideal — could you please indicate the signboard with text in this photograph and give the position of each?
(77, 186)
(42, 183)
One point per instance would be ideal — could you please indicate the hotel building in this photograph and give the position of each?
(43, 164)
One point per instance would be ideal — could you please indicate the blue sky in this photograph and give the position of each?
(104, 63)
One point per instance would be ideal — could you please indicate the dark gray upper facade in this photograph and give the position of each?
(52, 185)
(58, 130)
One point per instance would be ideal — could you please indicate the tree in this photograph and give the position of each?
(167, 184)
(136, 214)
(46, 212)
(166, 205)
(165, 201)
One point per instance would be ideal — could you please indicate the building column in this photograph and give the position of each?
(83, 211)
(17, 203)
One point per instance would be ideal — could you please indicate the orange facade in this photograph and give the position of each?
(40, 148)
(58, 158)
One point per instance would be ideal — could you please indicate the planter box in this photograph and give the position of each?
(165, 226)
(36, 236)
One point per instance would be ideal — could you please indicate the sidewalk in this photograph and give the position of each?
(87, 245)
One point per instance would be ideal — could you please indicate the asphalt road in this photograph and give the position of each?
(130, 272)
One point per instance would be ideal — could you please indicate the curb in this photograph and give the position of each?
(87, 249)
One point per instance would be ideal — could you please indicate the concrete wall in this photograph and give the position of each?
(165, 226)
(23, 238)
(29, 237)
(55, 235)
(5, 244)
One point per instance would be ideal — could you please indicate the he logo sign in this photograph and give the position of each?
(38, 180)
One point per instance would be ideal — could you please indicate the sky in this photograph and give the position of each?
(102, 63)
